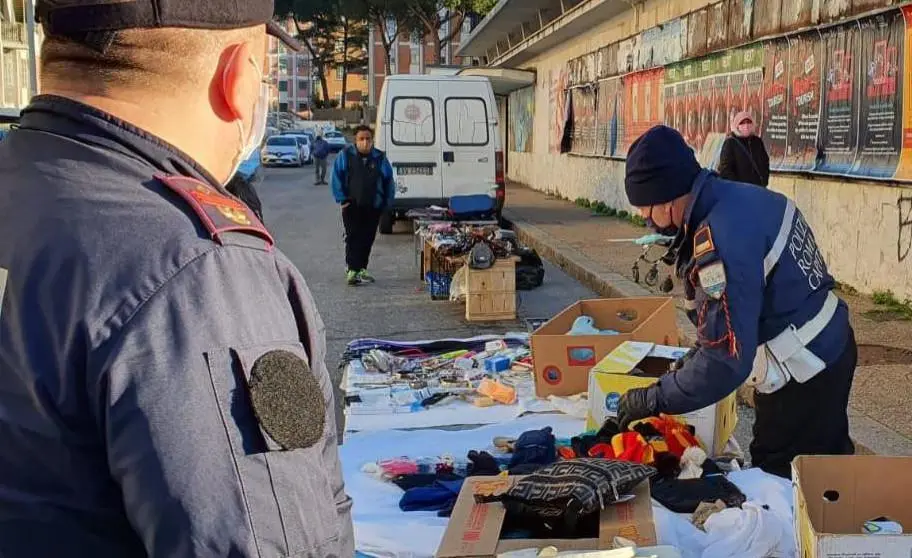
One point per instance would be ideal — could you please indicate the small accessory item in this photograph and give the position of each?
(481, 256)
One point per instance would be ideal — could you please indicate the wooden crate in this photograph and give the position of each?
(491, 293)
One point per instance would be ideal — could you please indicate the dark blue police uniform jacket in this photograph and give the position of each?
(752, 270)
(138, 300)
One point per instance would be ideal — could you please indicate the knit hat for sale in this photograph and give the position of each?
(661, 167)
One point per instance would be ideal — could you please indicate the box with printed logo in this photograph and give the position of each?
(634, 365)
(562, 361)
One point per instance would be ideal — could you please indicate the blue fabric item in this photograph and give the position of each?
(470, 205)
(534, 447)
(660, 167)
(321, 148)
(386, 188)
(744, 221)
(439, 497)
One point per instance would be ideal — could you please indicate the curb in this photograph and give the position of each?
(870, 436)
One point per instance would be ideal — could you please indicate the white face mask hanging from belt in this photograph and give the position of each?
(786, 356)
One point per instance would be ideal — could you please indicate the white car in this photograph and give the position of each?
(303, 146)
(281, 151)
(336, 141)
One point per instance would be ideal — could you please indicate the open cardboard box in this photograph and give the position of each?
(562, 362)
(611, 378)
(835, 495)
(475, 529)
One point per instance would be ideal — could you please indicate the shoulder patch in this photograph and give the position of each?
(703, 241)
(220, 213)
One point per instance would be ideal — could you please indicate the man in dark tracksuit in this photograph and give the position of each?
(363, 186)
(759, 292)
(163, 391)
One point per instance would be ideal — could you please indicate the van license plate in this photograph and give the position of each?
(415, 171)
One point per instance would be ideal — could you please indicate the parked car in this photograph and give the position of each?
(305, 145)
(442, 138)
(281, 151)
(336, 140)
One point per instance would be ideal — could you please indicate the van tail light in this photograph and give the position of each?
(499, 168)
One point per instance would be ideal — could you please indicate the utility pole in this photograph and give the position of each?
(29, 8)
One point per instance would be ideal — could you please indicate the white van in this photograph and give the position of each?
(441, 136)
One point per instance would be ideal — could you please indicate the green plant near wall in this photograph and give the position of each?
(600, 208)
(889, 308)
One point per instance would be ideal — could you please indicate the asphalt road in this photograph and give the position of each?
(307, 226)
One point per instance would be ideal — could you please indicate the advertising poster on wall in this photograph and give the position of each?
(705, 71)
(776, 100)
(839, 113)
(804, 101)
(522, 115)
(559, 108)
(644, 106)
(606, 101)
(752, 58)
(620, 148)
(880, 102)
(722, 93)
(904, 170)
(584, 124)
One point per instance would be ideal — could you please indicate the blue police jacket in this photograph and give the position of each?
(386, 184)
(141, 304)
(773, 276)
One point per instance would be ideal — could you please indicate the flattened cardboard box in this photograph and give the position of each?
(562, 362)
(474, 529)
(611, 378)
(835, 495)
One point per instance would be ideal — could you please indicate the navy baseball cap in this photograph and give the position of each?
(85, 20)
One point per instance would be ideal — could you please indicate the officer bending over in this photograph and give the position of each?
(163, 390)
(759, 292)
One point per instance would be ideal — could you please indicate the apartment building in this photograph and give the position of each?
(412, 55)
(292, 76)
(14, 54)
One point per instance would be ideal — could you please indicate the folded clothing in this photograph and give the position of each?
(685, 495)
(535, 447)
(439, 497)
(749, 532)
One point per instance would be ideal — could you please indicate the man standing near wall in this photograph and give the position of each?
(759, 292)
(363, 186)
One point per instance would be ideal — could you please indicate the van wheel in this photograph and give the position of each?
(386, 222)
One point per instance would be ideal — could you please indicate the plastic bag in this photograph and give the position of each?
(458, 285)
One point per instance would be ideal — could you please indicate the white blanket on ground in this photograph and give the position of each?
(382, 530)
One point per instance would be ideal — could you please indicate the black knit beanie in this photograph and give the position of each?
(661, 167)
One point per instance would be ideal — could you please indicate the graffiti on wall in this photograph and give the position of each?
(904, 232)
(522, 113)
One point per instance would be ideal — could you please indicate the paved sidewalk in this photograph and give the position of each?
(579, 241)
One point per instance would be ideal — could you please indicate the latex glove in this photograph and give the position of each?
(636, 404)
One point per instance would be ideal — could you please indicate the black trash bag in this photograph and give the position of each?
(530, 270)
(684, 496)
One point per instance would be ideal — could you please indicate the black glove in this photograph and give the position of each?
(636, 404)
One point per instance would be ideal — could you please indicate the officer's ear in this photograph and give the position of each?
(236, 86)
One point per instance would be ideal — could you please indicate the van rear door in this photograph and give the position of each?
(470, 118)
(412, 140)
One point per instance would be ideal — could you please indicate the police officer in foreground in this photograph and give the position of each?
(163, 390)
(758, 290)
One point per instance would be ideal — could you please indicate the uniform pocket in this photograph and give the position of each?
(286, 487)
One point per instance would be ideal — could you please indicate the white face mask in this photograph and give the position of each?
(257, 129)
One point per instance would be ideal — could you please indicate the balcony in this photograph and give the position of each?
(14, 35)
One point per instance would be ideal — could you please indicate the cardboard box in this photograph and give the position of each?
(611, 378)
(835, 495)
(562, 362)
(474, 529)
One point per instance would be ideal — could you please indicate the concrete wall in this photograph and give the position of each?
(858, 224)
